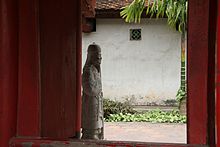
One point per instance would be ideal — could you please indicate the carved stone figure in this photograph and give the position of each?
(92, 99)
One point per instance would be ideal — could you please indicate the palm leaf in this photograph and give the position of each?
(175, 10)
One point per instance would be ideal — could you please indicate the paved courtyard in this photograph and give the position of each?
(145, 132)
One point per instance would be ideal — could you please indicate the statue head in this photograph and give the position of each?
(94, 55)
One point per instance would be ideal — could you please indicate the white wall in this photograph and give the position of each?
(144, 71)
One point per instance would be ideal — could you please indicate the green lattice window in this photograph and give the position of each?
(135, 34)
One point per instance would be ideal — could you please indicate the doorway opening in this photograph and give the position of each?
(141, 68)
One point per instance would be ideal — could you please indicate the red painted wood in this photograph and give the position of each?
(218, 80)
(92, 143)
(58, 33)
(211, 72)
(78, 70)
(8, 70)
(88, 8)
(197, 71)
(29, 70)
(59, 71)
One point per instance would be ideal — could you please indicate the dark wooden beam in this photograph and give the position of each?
(88, 25)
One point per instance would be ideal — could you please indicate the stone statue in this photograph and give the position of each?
(92, 99)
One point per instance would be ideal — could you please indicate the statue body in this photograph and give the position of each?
(92, 99)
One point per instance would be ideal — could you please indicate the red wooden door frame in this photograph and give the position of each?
(32, 113)
(197, 54)
(200, 50)
(79, 71)
(29, 104)
(8, 69)
(218, 79)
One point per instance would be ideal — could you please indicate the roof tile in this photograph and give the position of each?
(111, 4)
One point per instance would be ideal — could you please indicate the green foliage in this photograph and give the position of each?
(155, 116)
(132, 12)
(181, 94)
(177, 14)
(170, 102)
(174, 10)
(114, 107)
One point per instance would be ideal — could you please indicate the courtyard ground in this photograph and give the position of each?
(145, 132)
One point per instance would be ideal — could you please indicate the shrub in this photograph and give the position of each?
(114, 107)
(170, 102)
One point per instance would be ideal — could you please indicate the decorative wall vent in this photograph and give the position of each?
(135, 34)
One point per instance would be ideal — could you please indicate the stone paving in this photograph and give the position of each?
(145, 132)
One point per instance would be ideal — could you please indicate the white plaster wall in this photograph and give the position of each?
(141, 71)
